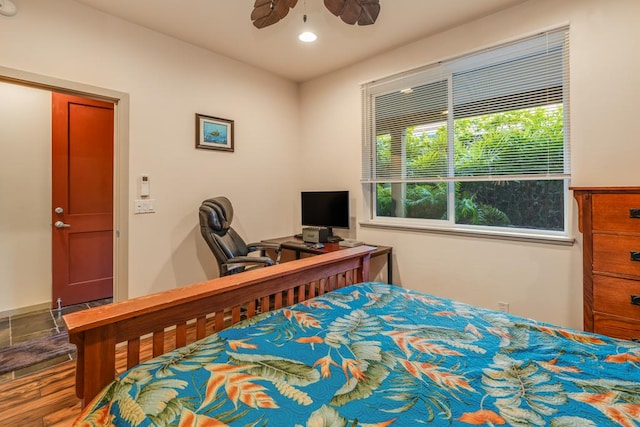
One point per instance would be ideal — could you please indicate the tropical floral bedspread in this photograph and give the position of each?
(379, 355)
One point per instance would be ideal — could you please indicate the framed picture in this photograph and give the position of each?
(214, 133)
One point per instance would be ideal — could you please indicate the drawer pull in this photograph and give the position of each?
(635, 255)
(635, 299)
(634, 213)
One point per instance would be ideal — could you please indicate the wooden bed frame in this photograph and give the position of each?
(192, 312)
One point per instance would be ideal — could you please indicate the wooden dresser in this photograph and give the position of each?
(609, 218)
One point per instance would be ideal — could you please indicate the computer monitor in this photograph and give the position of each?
(325, 209)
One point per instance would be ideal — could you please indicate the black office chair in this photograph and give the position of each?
(231, 252)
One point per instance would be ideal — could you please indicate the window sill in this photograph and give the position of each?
(520, 236)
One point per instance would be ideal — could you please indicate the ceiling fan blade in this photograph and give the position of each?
(362, 12)
(268, 12)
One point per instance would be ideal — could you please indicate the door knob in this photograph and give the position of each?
(60, 224)
(58, 210)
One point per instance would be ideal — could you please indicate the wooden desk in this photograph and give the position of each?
(298, 247)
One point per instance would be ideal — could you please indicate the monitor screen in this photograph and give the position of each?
(325, 209)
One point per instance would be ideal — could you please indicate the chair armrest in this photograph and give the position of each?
(263, 246)
(250, 260)
(247, 261)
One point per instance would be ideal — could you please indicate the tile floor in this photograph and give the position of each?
(43, 323)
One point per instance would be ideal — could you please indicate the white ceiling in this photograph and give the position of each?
(225, 27)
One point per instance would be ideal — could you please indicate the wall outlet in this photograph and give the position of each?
(503, 306)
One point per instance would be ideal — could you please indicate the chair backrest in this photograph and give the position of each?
(216, 215)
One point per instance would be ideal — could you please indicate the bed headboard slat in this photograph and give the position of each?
(183, 314)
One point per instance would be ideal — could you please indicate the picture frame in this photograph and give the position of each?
(214, 133)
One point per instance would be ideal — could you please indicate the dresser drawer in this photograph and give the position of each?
(617, 327)
(616, 254)
(614, 296)
(616, 212)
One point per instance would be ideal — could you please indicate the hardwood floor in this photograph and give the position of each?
(45, 398)
(39, 395)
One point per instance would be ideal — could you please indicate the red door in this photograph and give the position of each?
(82, 199)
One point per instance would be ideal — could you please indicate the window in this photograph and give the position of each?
(478, 143)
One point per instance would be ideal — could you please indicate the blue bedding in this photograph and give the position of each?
(378, 355)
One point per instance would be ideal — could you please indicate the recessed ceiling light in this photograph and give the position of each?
(307, 37)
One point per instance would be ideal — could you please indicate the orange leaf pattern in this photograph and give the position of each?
(481, 417)
(238, 386)
(445, 379)
(553, 367)
(99, 417)
(624, 358)
(378, 355)
(325, 365)
(624, 414)
(191, 419)
(236, 344)
(303, 318)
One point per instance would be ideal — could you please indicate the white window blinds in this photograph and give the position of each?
(498, 114)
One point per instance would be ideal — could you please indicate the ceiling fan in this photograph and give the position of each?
(361, 12)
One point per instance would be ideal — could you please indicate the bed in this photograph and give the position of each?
(350, 352)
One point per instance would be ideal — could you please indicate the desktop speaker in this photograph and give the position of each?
(315, 234)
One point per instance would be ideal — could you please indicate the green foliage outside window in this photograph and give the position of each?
(492, 144)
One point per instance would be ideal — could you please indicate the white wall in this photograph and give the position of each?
(537, 280)
(168, 82)
(25, 195)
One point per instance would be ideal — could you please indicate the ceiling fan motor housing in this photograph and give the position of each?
(361, 12)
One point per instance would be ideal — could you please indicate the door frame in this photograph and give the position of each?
(120, 160)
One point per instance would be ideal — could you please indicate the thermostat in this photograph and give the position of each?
(144, 186)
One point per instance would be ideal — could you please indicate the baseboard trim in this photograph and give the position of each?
(24, 310)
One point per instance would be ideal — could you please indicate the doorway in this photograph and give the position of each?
(82, 199)
(16, 299)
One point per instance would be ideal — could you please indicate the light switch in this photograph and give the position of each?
(138, 206)
(142, 206)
